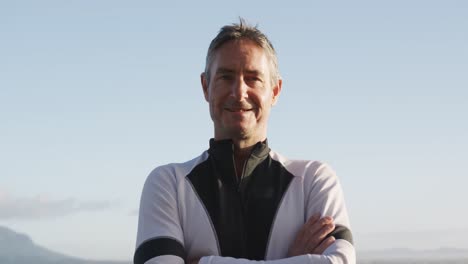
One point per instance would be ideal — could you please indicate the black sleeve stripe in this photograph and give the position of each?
(342, 232)
(158, 247)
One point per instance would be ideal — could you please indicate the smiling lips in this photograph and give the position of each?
(237, 110)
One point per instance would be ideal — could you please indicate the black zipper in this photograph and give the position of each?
(243, 210)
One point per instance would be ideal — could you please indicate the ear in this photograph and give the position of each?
(204, 83)
(277, 91)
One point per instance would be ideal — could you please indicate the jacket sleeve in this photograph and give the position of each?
(159, 235)
(303, 259)
(325, 196)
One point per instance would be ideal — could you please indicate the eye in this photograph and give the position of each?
(226, 77)
(253, 79)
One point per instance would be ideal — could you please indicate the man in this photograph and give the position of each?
(239, 201)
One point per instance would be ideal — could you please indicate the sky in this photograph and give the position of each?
(96, 94)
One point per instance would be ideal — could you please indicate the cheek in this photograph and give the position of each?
(215, 103)
(219, 97)
(265, 100)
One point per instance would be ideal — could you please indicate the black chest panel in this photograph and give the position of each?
(241, 210)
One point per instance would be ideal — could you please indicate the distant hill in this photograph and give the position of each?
(16, 248)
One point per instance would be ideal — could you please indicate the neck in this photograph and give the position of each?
(242, 153)
(242, 148)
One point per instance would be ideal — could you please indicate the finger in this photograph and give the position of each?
(324, 231)
(312, 220)
(324, 245)
(304, 232)
(302, 236)
(317, 238)
(313, 229)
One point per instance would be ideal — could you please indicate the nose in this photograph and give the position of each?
(239, 89)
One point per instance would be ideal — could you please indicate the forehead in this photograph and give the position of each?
(240, 55)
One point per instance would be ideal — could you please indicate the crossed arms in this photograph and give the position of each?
(165, 201)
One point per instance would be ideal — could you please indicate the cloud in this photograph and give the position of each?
(40, 206)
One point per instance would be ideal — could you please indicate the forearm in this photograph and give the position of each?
(341, 252)
(303, 259)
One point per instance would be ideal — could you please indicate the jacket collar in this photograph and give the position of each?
(222, 152)
(225, 147)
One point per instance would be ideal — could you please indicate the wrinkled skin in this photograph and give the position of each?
(240, 92)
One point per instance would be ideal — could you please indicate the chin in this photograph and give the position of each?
(238, 133)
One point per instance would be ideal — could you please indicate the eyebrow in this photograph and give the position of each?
(224, 70)
(255, 72)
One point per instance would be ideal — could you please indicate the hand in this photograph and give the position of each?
(311, 237)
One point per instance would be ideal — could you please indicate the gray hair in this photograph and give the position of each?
(243, 31)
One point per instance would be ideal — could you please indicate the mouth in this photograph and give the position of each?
(238, 110)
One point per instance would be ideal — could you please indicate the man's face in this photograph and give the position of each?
(240, 91)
